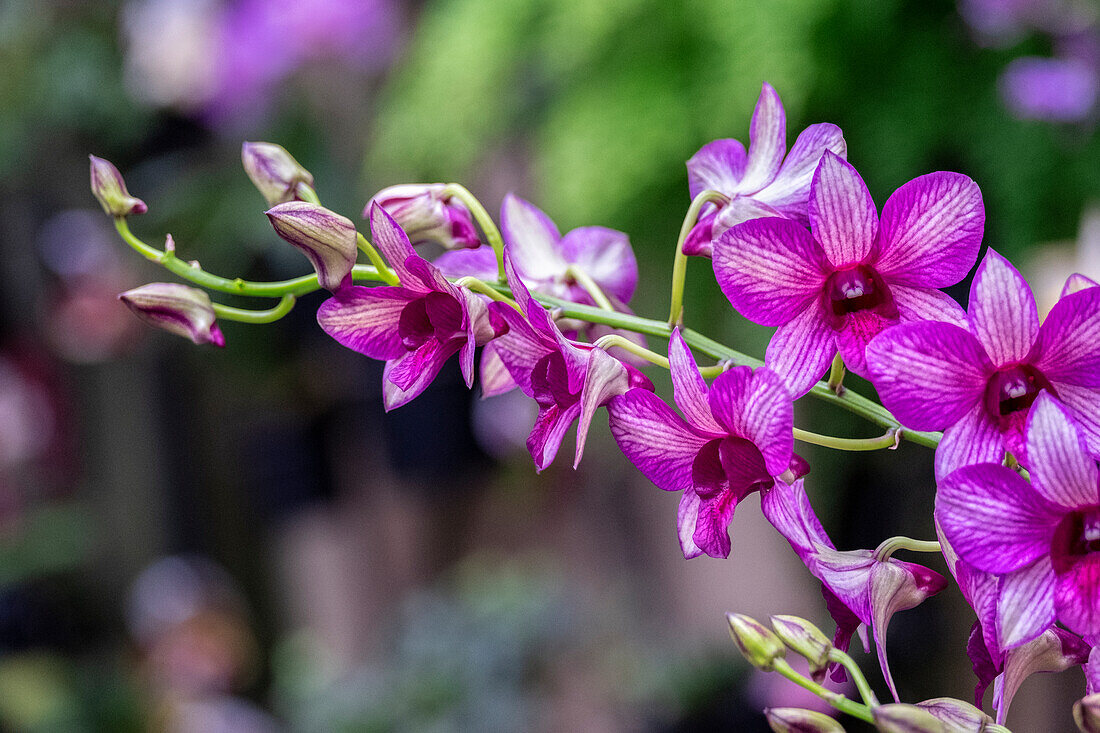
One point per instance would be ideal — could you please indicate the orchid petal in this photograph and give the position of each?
(393, 243)
(842, 214)
(973, 439)
(1025, 606)
(789, 193)
(604, 378)
(1076, 283)
(925, 304)
(548, 432)
(394, 396)
(801, 349)
(655, 439)
(712, 521)
(365, 319)
(767, 141)
(756, 406)
(858, 330)
(1061, 468)
(1077, 596)
(1068, 346)
(931, 230)
(532, 239)
(688, 387)
(1084, 402)
(606, 256)
(1002, 310)
(480, 262)
(520, 348)
(1055, 650)
(495, 377)
(717, 166)
(687, 517)
(787, 507)
(740, 209)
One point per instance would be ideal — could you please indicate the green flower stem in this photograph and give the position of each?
(590, 286)
(856, 674)
(892, 545)
(994, 728)
(889, 440)
(836, 375)
(614, 339)
(388, 275)
(307, 193)
(679, 264)
(838, 701)
(479, 286)
(492, 233)
(242, 315)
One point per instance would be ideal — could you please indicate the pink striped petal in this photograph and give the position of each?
(842, 214)
(926, 304)
(767, 141)
(1054, 650)
(789, 193)
(606, 256)
(687, 516)
(712, 522)
(931, 230)
(688, 388)
(1068, 347)
(1002, 311)
(1025, 606)
(801, 349)
(495, 377)
(718, 166)
(770, 269)
(391, 240)
(532, 239)
(897, 586)
(1061, 468)
(546, 436)
(973, 439)
(860, 329)
(1084, 403)
(994, 519)
(788, 509)
(756, 406)
(394, 396)
(604, 378)
(1076, 283)
(929, 374)
(655, 439)
(480, 262)
(365, 319)
(1077, 596)
(740, 209)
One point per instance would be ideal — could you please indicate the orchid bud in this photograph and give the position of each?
(1086, 713)
(806, 639)
(757, 643)
(798, 720)
(956, 715)
(325, 237)
(902, 718)
(427, 214)
(110, 190)
(180, 309)
(274, 171)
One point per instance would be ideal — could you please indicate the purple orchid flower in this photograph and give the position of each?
(1077, 282)
(759, 183)
(837, 288)
(736, 438)
(978, 385)
(568, 380)
(1042, 538)
(415, 326)
(860, 590)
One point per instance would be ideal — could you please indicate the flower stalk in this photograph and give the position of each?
(679, 262)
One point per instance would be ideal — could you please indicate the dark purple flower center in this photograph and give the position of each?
(1076, 537)
(857, 289)
(729, 463)
(550, 382)
(435, 316)
(1012, 389)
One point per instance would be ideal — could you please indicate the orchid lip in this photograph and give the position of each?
(855, 289)
(436, 315)
(1076, 538)
(550, 382)
(1014, 388)
(710, 475)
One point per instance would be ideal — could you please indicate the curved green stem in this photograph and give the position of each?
(480, 286)
(492, 233)
(856, 674)
(679, 264)
(388, 275)
(244, 315)
(307, 193)
(836, 375)
(892, 545)
(614, 339)
(889, 440)
(838, 701)
(590, 286)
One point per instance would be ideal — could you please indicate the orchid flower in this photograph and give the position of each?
(977, 381)
(838, 285)
(735, 437)
(414, 326)
(761, 182)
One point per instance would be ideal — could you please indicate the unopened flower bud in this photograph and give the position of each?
(180, 309)
(326, 238)
(1086, 713)
(798, 720)
(757, 642)
(806, 639)
(110, 190)
(274, 171)
(902, 718)
(427, 214)
(956, 715)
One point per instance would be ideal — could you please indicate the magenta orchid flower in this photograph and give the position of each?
(977, 382)
(734, 438)
(415, 326)
(860, 590)
(1042, 538)
(568, 380)
(838, 285)
(761, 182)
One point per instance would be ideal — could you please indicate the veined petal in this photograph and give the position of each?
(770, 269)
(931, 230)
(480, 262)
(858, 330)
(699, 240)
(973, 439)
(994, 519)
(739, 209)
(655, 439)
(393, 243)
(1077, 596)
(756, 406)
(1002, 310)
(848, 576)
(365, 319)
(717, 166)
(929, 374)
(926, 304)
(1061, 468)
(1055, 650)
(532, 239)
(788, 509)
(801, 349)
(495, 377)
(1068, 347)
(712, 522)
(604, 378)
(394, 396)
(767, 141)
(521, 348)
(606, 256)
(1025, 606)
(548, 432)
(789, 193)
(1076, 283)
(1084, 402)
(688, 387)
(687, 516)
(842, 213)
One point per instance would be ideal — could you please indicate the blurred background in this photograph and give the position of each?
(194, 539)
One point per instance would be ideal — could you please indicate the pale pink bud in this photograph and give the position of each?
(110, 190)
(1086, 713)
(799, 720)
(180, 309)
(427, 214)
(274, 171)
(757, 642)
(803, 638)
(325, 237)
(902, 718)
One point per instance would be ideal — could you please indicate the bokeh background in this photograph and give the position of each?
(194, 539)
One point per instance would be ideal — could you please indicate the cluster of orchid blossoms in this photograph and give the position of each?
(797, 244)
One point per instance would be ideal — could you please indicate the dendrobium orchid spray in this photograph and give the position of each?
(796, 242)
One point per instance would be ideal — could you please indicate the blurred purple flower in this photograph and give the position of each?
(1053, 89)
